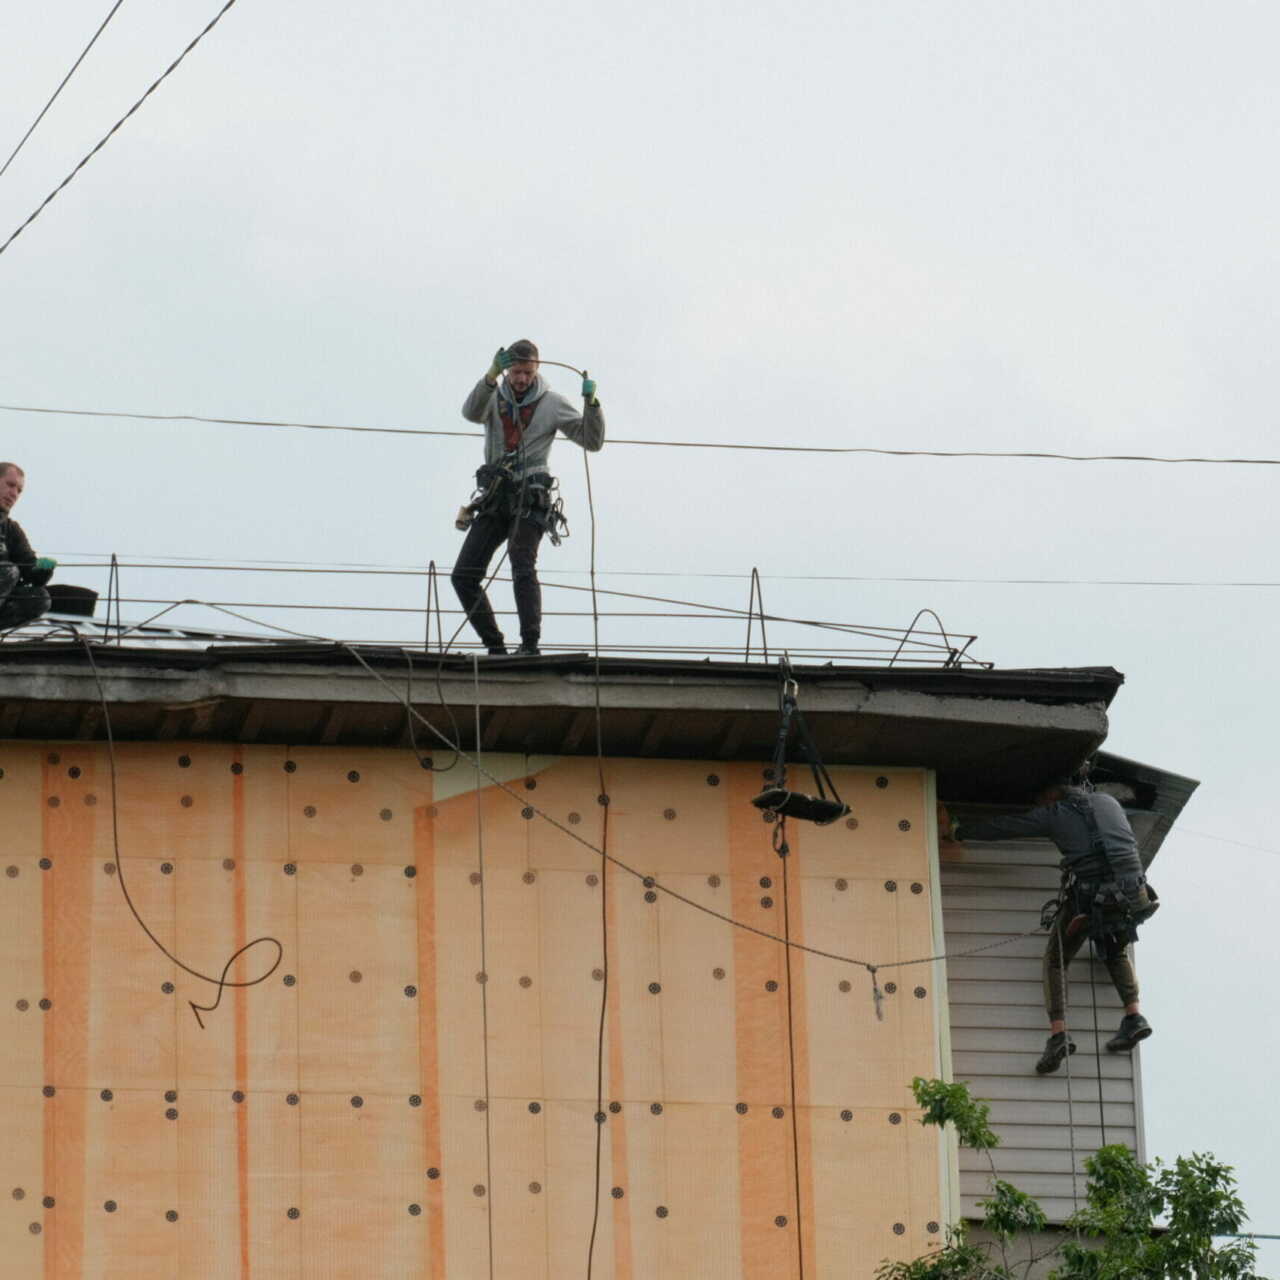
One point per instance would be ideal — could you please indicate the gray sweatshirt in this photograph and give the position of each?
(1069, 830)
(552, 413)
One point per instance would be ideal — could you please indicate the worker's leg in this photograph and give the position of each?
(19, 602)
(1120, 969)
(1058, 954)
(1059, 951)
(1134, 1028)
(523, 549)
(485, 536)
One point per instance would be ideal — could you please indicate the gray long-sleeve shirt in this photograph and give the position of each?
(552, 413)
(1068, 828)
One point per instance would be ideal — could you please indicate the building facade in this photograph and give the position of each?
(297, 991)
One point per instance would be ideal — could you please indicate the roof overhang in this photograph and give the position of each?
(991, 735)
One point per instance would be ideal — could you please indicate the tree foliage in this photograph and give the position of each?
(1113, 1236)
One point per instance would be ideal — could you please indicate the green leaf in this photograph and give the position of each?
(949, 1102)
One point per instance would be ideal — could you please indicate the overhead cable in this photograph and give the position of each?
(1026, 455)
(354, 567)
(23, 140)
(106, 137)
(1239, 844)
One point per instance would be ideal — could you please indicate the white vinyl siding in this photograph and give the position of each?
(998, 1029)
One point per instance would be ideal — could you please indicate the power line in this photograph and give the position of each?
(23, 140)
(1028, 455)
(164, 75)
(355, 567)
(1240, 844)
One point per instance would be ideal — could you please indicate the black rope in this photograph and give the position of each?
(221, 982)
(1059, 928)
(22, 142)
(426, 761)
(484, 968)
(40, 208)
(603, 798)
(1097, 1036)
(784, 853)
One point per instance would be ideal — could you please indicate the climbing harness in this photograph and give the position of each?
(1107, 907)
(489, 481)
(534, 497)
(821, 809)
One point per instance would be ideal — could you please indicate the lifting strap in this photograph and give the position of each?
(820, 809)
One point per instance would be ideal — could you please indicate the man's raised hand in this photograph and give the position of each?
(502, 361)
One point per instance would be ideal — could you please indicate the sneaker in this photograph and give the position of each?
(527, 650)
(1133, 1028)
(1057, 1049)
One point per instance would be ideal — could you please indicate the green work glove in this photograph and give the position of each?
(46, 564)
(502, 361)
(589, 390)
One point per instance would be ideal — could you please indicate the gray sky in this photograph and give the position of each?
(986, 226)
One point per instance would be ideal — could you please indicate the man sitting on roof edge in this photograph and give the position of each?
(23, 575)
(1093, 835)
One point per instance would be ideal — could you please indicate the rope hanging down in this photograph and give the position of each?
(221, 982)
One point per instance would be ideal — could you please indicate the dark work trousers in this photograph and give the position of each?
(487, 533)
(1060, 950)
(19, 601)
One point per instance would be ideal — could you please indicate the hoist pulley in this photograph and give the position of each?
(821, 809)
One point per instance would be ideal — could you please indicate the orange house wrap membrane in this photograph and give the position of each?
(411, 1091)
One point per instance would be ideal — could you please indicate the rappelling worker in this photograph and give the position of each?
(1104, 893)
(515, 500)
(23, 574)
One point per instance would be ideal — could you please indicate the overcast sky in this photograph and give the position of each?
(976, 225)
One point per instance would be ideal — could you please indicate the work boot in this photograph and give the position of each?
(498, 650)
(1056, 1049)
(529, 649)
(1133, 1028)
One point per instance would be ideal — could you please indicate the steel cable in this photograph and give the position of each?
(22, 142)
(102, 142)
(841, 450)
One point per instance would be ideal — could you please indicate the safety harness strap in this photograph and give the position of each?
(1107, 908)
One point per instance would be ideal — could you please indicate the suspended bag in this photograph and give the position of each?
(821, 809)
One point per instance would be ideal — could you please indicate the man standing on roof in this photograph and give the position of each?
(521, 416)
(1099, 862)
(22, 574)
